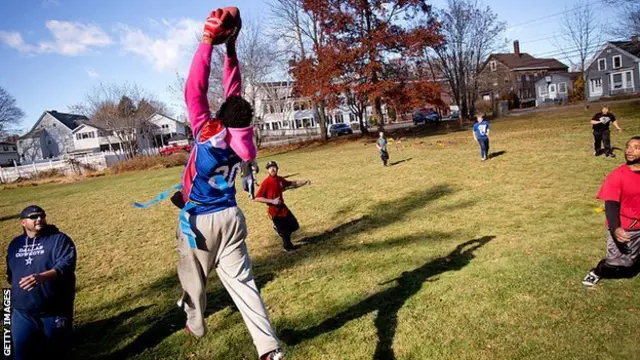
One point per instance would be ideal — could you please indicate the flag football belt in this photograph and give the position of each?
(185, 225)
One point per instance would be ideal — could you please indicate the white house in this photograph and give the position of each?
(8, 153)
(278, 109)
(164, 128)
(49, 137)
(89, 137)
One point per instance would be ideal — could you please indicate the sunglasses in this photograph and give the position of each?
(35, 216)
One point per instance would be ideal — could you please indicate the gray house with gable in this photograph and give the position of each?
(614, 70)
(49, 137)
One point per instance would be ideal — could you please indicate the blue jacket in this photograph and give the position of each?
(51, 249)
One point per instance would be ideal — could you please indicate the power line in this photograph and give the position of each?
(552, 15)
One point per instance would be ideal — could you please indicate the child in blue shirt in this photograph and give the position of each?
(381, 144)
(481, 135)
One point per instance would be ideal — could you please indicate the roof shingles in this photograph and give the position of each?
(513, 62)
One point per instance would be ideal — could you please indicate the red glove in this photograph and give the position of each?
(220, 25)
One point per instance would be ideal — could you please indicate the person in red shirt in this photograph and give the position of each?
(270, 193)
(621, 195)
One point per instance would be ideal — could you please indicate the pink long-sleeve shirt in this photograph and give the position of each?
(195, 93)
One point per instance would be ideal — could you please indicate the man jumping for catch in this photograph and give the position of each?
(212, 230)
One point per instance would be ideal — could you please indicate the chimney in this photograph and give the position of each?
(516, 48)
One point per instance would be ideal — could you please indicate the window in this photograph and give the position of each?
(542, 89)
(494, 65)
(5, 148)
(15, 149)
(298, 124)
(518, 78)
(602, 64)
(526, 77)
(596, 86)
(622, 80)
(562, 88)
(339, 118)
(616, 81)
(617, 61)
(352, 118)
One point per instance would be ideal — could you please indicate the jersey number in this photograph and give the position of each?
(229, 175)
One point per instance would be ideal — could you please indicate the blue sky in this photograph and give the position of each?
(52, 52)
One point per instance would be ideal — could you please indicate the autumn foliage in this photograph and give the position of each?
(369, 50)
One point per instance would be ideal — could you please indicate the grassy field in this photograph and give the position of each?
(437, 257)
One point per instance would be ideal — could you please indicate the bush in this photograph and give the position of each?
(483, 106)
(150, 162)
(513, 99)
(577, 94)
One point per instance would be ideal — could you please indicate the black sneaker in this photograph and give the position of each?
(591, 279)
(290, 249)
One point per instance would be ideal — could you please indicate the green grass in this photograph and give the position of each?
(437, 257)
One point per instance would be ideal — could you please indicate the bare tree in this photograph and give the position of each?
(10, 113)
(258, 60)
(628, 22)
(123, 111)
(580, 34)
(357, 104)
(471, 33)
(298, 32)
(277, 100)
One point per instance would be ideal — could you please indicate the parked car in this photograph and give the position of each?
(425, 117)
(174, 149)
(455, 115)
(340, 129)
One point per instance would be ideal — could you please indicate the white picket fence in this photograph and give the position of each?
(68, 166)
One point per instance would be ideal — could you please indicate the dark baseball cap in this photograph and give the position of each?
(31, 210)
(271, 164)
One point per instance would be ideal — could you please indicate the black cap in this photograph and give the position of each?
(31, 210)
(271, 164)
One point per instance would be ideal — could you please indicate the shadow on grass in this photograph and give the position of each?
(400, 162)
(170, 319)
(9, 217)
(496, 154)
(388, 302)
(290, 175)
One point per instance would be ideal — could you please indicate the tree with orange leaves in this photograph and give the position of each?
(362, 36)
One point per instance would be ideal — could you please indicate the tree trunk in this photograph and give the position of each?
(322, 121)
(363, 125)
(377, 113)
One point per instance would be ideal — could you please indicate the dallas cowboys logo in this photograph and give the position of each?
(29, 260)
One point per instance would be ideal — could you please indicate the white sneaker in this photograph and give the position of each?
(276, 354)
(591, 279)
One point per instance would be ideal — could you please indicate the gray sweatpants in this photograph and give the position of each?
(220, 237)
(616, 258)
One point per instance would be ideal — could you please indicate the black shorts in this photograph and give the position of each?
(286, 224)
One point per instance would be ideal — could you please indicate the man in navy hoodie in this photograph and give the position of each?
(41, 270)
